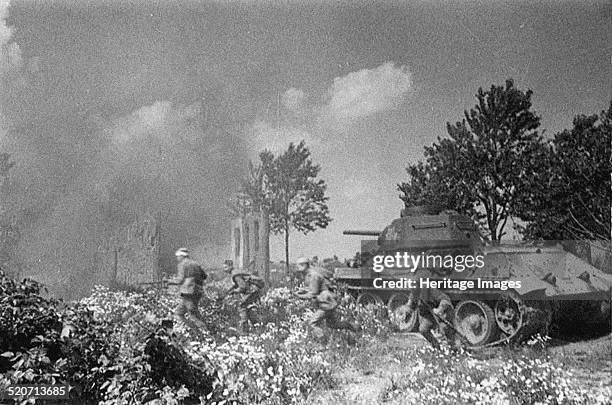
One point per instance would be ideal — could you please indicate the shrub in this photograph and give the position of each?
(24, 315)
(116, 352)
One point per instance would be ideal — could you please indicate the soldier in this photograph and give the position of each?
(431, 304)
(249, 286)
(318, 282)
(190, 277)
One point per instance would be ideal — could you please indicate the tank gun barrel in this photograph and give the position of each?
(362, 233)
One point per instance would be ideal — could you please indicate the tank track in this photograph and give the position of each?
(536, 319)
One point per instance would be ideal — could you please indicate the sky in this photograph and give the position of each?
(159, 105)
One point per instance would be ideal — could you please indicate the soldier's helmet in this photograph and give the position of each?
(302, 260)
(182, 252)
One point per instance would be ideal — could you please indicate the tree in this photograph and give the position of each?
(296, 198)
(481, 169)
(285, 190)
(572, 194)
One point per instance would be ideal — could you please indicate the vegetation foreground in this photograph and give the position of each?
(119, 354)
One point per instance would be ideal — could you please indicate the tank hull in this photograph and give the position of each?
(551, 281)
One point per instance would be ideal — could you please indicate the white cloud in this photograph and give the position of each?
(10, 53)
(367, 91)
(293, 99)
(161, 120)
(153, 116)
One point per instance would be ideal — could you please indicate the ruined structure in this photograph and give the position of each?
(130, 257)
(250, 247)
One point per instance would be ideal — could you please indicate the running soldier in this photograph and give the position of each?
(324, 300)
(431, 304)
(250, 287)
(190, 277)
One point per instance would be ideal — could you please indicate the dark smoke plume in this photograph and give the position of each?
(156, 162)
(85, 169)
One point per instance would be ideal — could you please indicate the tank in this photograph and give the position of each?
(553, 282)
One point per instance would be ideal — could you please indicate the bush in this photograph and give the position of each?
(24, 315)
(117, 351)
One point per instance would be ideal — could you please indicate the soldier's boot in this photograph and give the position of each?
(430, 338)
(243, 325)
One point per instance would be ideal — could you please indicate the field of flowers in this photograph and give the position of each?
(120, 354)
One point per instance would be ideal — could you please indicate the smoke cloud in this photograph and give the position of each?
(80, 176)
(155, 162)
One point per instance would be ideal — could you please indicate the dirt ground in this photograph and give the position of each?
(370, 379)
(590, 361)
(366, 382)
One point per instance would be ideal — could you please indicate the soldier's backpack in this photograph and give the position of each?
(194, 276)
(328, 277)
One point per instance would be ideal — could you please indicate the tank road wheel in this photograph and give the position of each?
(401, 316)
(509, 314)
(366, 299)
(475, 320)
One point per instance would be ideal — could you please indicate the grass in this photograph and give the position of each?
(411, 373)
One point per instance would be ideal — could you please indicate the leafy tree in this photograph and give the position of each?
(572, 194)
(296, 197)
(481, 168)
(287, 188)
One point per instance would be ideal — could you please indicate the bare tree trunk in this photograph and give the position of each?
(264, 240)
(287, 254)
(114, 270)
(157, 250)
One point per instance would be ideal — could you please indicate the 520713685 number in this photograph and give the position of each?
(35, 391)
